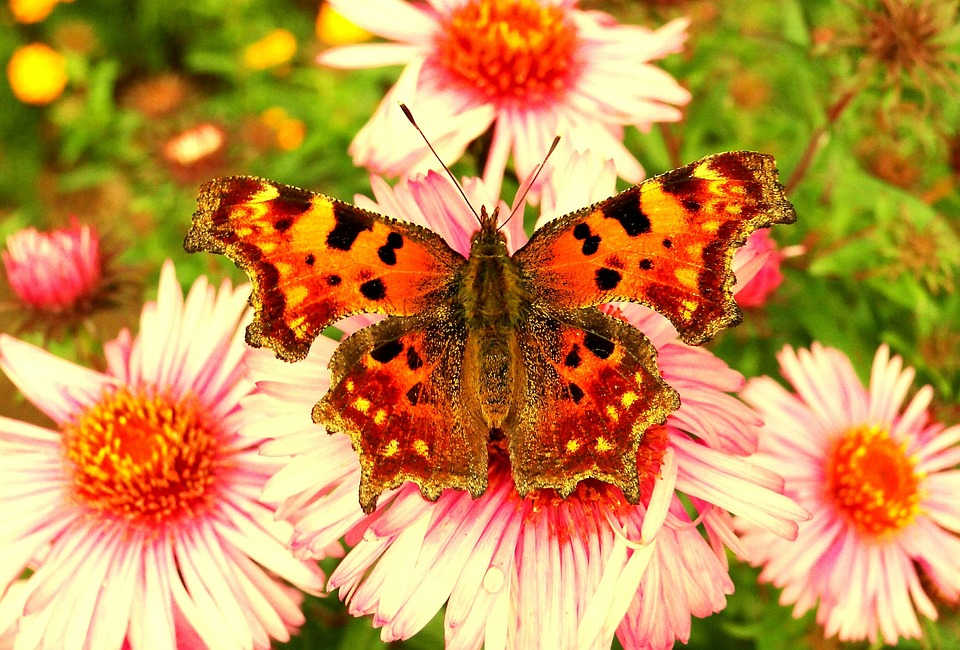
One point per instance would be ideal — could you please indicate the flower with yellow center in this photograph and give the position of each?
(527, 69)
(37, 73)
(139, 515)
(880, 481)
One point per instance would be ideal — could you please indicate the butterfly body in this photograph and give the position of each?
(512, 347)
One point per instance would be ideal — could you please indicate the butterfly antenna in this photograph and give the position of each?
(533, 180)
(406, 111)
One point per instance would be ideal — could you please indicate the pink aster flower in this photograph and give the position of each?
(54, 271)
(540, 571)
(530, 69)
(757, 266)
(880, 480)
(138, 514)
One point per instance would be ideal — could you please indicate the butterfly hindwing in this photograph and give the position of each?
(667, 243)
(314, 260)
(396, 391)
(593, 390)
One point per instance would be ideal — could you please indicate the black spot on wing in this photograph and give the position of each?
(388, 252)
(349, 224)
(625, 208)
(310, 259)
(576, 393)
(667, 243)
(387, 352)
(413, 395)
(573, 357)
(413, 359)
(646, 264)
(599, 346)
(334, 280)
(591, 242)
(373, 289)
(387, 255)
(283, 224)
(607, 279)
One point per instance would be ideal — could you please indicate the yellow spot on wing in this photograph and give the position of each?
(710, 226)
(392, 447)
(349, 385)
(266, 193)
(628, 398)
(299, 325)
(421, 447)
(612, 413)
(686, 276)
(295, 295)
(361, 404)
(572, 446)
(602, 444)
(379, 416)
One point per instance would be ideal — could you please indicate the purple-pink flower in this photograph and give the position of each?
(138, 513)
(527, 69)
(540, 571)
(55, 271)
(880, 479)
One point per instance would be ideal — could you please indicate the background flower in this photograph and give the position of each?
(880, 480)
(138, 515)
(530, 69)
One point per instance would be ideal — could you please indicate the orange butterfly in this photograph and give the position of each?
(494, 347)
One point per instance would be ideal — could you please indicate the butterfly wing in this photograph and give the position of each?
(593, 389)
(314, 260)
(667, 243)
(395, 390)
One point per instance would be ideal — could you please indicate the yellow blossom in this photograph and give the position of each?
(276, 48)
(333, 29)
(31, 11)
(37, 73)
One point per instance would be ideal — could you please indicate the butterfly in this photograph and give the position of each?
(494, 346)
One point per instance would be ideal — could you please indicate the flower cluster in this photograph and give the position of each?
(178, 494)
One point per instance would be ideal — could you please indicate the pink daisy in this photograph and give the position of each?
(530, 69)
(539, 571)
(880, 480)
(138, 515)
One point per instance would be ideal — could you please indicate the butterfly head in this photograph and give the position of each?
(488, 241)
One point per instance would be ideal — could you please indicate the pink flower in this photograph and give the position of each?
(881, 482)
(540, 571)
(757, 267)
(54, 271)
(530, 69)
(138, 515)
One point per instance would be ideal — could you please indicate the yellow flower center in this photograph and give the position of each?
(872, 481)
(510, 49)
(143, 455)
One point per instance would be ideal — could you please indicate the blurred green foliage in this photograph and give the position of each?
(871, 160)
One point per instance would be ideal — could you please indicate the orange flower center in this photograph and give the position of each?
(510, 49)
(872, 481)
(143, 455)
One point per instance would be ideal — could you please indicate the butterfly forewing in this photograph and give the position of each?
(314, 260)
(667, 243)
